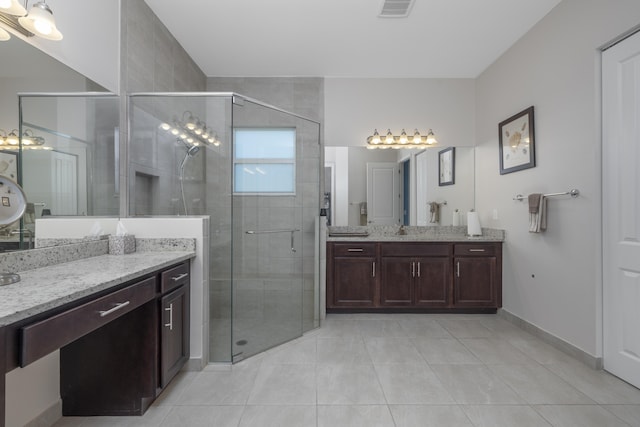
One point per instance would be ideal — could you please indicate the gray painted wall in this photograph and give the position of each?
(552, 280)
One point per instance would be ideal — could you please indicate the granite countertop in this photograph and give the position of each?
(389, 233)
(42, 289)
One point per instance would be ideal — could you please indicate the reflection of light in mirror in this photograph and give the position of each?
(249, 171)
(260, 171)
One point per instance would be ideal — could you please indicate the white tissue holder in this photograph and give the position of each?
(121, 245)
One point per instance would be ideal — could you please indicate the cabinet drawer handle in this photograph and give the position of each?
(413, 269)
(180, 277)
(355, 250)
(418, 269)
(117, 307)
(373, 269)
(476, 250)
(170, 310)
(458, 269)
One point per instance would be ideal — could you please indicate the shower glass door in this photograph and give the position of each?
(275, 187)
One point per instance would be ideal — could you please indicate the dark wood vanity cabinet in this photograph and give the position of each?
(416, 276)
(174, 322)
(478, 278)
(353, 269)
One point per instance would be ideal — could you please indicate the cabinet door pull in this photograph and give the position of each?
(180, 277)
(413, 269)
(458, 269)
(476, 250)
(170, 310)
(355, 250)
(117, 307)
(418, 268)
(373, 269)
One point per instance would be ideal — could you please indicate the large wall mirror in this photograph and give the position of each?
(67, 126)
(355, 176)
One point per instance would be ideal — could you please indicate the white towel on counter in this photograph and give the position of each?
(537, 213)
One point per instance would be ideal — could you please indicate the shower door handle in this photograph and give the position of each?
(291, 230)
(272, 231)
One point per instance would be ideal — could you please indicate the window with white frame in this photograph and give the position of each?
(264, 160)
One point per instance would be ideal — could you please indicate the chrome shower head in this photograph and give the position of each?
(193, 150)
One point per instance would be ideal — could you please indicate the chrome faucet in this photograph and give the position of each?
(402, 231)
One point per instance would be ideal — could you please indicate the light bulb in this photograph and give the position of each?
(174, 131)
(375, 139)
(431, 138)
(389, 138)
(403, 137)
(417, 139)
(165, 126)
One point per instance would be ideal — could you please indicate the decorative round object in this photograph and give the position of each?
(13, 202)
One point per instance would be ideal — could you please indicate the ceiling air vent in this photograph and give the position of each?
(396, 8)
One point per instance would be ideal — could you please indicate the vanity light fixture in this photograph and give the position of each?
(12, 7)
(190, 130)
(402, 141)
(38, 21)
(29, 140)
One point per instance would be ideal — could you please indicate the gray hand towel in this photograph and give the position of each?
(537, 213)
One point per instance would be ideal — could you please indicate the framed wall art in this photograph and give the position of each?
(446, 166)
(517, 142)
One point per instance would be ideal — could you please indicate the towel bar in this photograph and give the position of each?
(573, 193)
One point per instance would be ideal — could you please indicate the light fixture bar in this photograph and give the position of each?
(12, 22)
(404, 140)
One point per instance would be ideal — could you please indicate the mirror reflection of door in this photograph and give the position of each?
(422, 213)
(383, 193)
(52, 180)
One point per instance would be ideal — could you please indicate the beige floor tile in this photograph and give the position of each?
(354, 416)
(505, 416)
(348, 385)
(444, 351)
(279, 416)
(411, 383)
(475, 384)
(429, 416)
(579, 415)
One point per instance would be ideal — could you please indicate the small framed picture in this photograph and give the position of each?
(517, 142)
(447, 166)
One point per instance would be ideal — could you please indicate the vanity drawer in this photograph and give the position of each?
(174, 277)
(416, 249)
(475, 249)
(354, 249)
(41, 338)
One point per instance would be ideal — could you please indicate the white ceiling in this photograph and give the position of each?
(345, 38)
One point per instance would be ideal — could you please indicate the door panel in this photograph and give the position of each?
(383, 193)
(621, 218)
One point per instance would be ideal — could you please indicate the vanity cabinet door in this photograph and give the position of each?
(352, 272)
(354, 282)
(174, 336)
(397, 281)
(477, 280)
(432, 282)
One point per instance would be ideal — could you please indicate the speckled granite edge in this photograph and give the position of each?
(165, 245)
(422, 233)
(11, 262)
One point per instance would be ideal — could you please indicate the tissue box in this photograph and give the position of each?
(120, 245)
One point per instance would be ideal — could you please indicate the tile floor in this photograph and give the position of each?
(396, 370)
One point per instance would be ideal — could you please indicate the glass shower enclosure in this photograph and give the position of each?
(254, 169)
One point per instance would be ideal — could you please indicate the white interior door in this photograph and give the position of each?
(422, 213)
(621, 213)
(64, 183)
(383, 193)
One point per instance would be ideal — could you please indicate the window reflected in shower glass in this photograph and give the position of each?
(264, 160)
